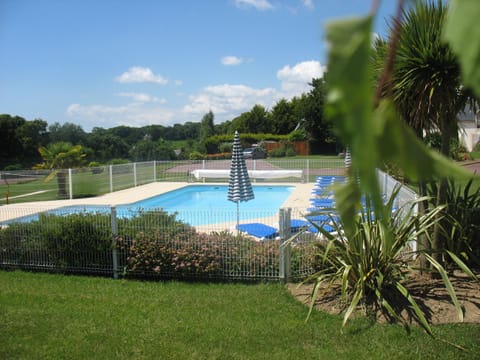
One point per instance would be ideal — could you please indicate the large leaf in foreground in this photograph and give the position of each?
(461, 30)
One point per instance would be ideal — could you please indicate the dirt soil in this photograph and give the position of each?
(431, 296)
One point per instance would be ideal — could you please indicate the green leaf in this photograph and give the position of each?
(421, 317)
(448, 285)
(462, 265)
(461, 30)
(350, 97)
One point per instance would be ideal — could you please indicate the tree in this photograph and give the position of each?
(67, 132)
(284, 118)
(107, 146)
(207, 127)
(32, 135)
(59, 157)
(10, 144)
(311, 108)
(426, 85)
(148, 150)
(255, 121)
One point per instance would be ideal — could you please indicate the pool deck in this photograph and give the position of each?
(299, 199)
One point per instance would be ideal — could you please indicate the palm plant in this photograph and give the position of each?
(59, 157)
(426, 85)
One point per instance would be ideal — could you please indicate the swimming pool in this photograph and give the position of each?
(208, 204)
(193, 204)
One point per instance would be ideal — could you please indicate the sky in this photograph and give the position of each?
(105, 63)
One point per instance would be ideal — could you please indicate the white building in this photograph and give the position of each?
(469, 129)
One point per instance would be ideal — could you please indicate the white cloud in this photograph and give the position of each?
(134, 114)
(139, 74)
(295, 80)
(228, 101)
(257, 4)
(308, 4)
(231, 60)
(141, 97)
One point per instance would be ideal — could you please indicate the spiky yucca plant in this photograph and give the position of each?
(372, 267)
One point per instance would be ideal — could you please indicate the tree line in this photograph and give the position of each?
(22, 138)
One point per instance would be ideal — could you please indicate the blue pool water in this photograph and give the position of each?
(196, 204)
(208, 204)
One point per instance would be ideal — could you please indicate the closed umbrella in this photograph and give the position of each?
(239, 185)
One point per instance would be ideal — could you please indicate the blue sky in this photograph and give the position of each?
(117, 62)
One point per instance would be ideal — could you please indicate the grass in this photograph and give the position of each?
(475, 155)
(55, 316)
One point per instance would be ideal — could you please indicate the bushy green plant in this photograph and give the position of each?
(298, 135)
(371, 261)
(226, 147)
(461, 224)
(96, 167)
(191, 254)
(118, 161)
(476, 148)
(290, 151)
(195, 155)
(278, 152)
(77, 240)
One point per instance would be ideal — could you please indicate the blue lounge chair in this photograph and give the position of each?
(267, 232)
(259, 230)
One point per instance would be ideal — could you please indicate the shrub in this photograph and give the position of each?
(219, 156)
(370, 259)
(290, 151)
(226, 147)
(76, 241)
(461, 224)
(96, 167)
(278, 152)
(191, 254)
(195, 155)
(118, 161)
(297, 135)
(477, 147)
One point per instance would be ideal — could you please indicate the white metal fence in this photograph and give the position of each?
(31, 185)
(107, 241)
(150, 242)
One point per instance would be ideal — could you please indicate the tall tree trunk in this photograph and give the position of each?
(438, 242)
(423, 243)
(62, 184)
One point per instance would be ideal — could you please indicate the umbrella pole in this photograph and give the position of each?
(238, 218)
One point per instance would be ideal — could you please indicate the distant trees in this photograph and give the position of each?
(21, 138)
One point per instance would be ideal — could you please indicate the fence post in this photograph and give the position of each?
(284, 254)
(134, 174)
(113, 217)
(308, 171)
(70, 185)
(110, 172)
(154, 170)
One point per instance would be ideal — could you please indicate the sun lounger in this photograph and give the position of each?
(259, 230)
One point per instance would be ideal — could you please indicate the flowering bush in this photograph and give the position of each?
(199, 255)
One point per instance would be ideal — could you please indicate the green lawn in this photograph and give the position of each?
(46, 316)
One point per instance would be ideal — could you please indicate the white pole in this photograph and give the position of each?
(70, 186)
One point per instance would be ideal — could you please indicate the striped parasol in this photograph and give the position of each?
(239, 185)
